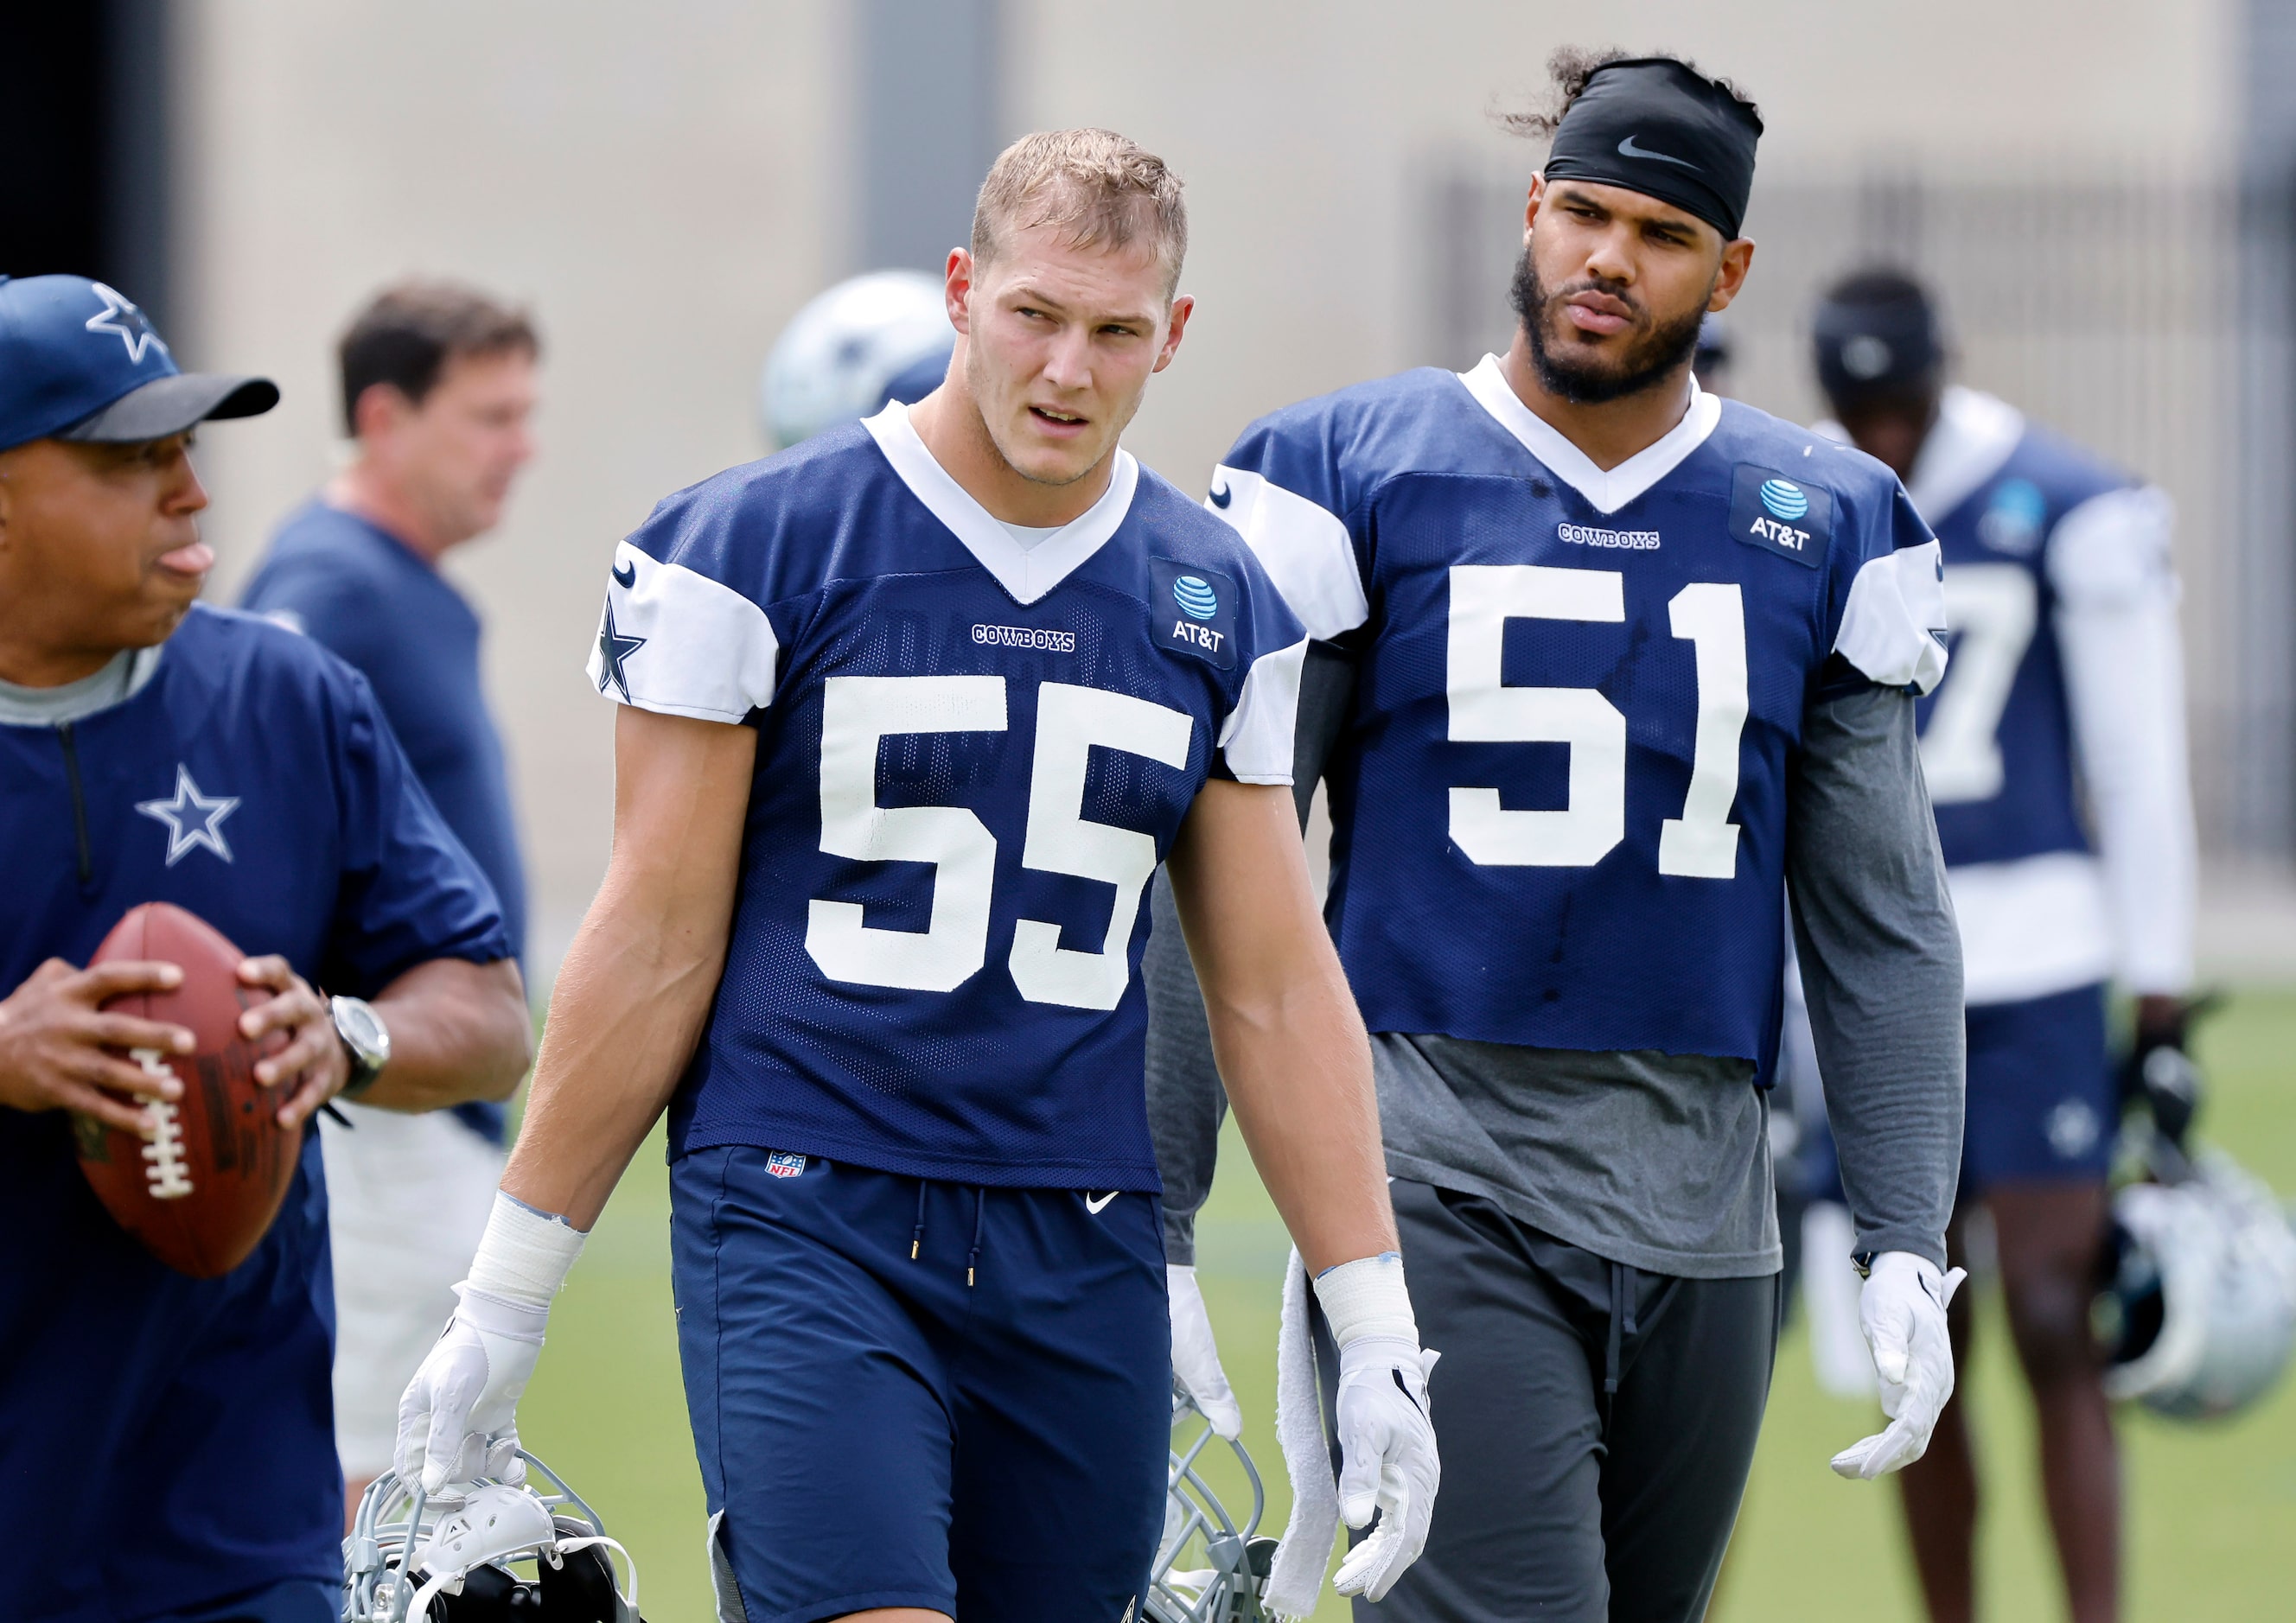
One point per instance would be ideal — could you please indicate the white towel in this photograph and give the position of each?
(1297, 1577)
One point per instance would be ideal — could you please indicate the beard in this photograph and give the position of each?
(1647, 359)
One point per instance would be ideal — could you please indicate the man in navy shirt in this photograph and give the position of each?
(165, 1443)
(437, 383)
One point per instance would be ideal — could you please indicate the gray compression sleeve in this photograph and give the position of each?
(1881, 964)
(1185, 1100)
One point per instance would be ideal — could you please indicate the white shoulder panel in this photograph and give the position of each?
(1894, 626)
(676, 641)
(1305, 550)
(2113, 549)
(1258, 737)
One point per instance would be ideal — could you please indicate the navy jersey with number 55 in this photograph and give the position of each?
(971, 756)
(1559, 805)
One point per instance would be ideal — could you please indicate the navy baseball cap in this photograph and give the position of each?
(79, 361)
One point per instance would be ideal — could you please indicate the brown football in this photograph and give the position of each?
(202, 1189)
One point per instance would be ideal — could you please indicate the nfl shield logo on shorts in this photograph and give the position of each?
(782, 1163)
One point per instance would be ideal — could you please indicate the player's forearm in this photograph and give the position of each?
(630, 1005)
(634, 992)
(2124, 670)
(1299, 1072)
(459, 1031)
(1881, 965)
(1284, 1030)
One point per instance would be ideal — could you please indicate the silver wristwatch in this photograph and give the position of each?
(365, 1038)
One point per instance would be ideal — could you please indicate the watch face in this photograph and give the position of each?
(362, 1028)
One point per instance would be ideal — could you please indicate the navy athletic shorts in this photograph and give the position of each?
(979, 1430)
(2041, 1092)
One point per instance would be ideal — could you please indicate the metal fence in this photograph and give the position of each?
(2149, 319)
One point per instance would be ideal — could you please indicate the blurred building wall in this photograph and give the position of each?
(666, 184)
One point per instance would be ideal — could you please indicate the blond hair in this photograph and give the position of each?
(1094, 187)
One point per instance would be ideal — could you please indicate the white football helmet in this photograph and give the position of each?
(1227, 1588)
(411, 1559)
(834, 361)
(2203, 1297)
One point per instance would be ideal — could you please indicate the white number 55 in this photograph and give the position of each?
(858, 713)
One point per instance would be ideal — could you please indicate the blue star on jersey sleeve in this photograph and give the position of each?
(676, 634)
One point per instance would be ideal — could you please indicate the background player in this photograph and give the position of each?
(166, 1444)
(438, 386)
(2063, 715)
(1613, 658)
(910, 715)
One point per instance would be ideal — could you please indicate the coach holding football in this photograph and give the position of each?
(166, 1446)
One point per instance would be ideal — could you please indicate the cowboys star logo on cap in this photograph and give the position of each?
(121, 318)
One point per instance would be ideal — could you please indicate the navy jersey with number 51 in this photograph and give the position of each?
(972, 755)
(1559, 806)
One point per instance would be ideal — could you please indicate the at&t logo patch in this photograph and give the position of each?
(1193, 611)
(1782, 515)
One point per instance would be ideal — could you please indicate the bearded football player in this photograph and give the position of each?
(1601, 663)
(909, 715)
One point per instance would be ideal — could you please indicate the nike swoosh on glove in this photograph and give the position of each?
(1386, 1459)
(1195, 1356)
(1902, 1312)
(458, 1419)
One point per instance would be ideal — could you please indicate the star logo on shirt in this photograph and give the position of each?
(613, 648)
(192, 819)
(121, 319)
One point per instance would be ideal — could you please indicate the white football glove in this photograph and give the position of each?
(1387, 1461)
(1380, 1418)
(458, 1419)
(1902, 1312)
(1195, 1356)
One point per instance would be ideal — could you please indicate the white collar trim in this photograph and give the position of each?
(1605, 491)
(1028, 573)
(1973, 434)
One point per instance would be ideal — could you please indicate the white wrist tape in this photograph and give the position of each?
(1367, 1298)
(525, 1255)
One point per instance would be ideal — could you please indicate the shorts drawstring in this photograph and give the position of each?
(980, 1223)
(1623, 1281)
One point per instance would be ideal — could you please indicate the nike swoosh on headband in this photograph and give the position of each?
(1629, 148)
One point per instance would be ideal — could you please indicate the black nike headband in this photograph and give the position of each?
(1651, 125)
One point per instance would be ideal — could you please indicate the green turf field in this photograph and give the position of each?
(2211, 1512)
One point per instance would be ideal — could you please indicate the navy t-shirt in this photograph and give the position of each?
(375, 600)
(253, 781)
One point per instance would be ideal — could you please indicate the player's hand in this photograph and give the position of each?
(1902, 1312)
(1195, 1356)
(59, 1049)
(312, 1068)
(458, 1419)
(2158, 1069)
(1387, 1461)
